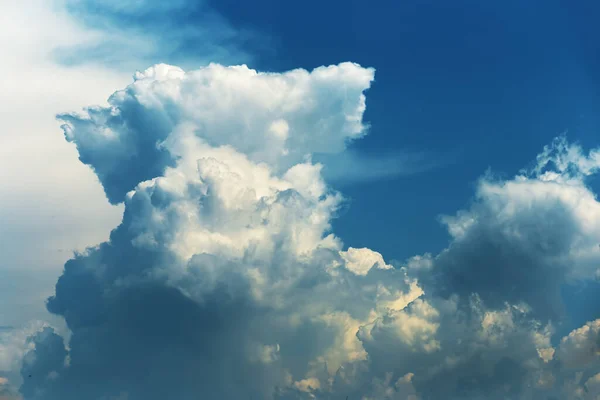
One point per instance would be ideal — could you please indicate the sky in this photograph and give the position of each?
(379, 200)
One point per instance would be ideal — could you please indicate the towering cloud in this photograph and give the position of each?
(224, 279)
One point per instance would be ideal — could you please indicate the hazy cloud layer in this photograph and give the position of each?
(135, 33)
(50, 204)
(224, 281)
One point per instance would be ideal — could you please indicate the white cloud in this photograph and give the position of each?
(224, 278)
(360, 261)
(218, 207)
(523, 238)
(353, 166)
(322, 111)
(226, 235)
(581, 348)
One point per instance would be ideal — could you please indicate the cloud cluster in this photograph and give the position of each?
(522, 239)
(224, 279)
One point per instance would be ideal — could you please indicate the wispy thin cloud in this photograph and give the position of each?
(355, 166)
(135, 34)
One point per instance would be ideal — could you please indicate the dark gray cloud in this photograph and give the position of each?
(43, 364)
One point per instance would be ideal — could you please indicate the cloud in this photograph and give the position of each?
(224, 238)
(44, 363)
(354, 166)
(323, 109)
(581, 347)
(224, 279)
(14, 345)
(134, 34)
(521, 240)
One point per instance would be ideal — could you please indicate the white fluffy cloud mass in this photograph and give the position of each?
(225, 281)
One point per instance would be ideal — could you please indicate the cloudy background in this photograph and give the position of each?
(212, 200)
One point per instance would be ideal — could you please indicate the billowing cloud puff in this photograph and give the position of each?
(524, 238)
(581, 348)
(224, 279)
(272, 118)
(14, 344)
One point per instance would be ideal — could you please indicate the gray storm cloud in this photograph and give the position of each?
(224, 279)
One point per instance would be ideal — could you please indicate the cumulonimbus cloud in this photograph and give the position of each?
(224, 279)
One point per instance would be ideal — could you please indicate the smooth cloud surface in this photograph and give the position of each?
(224, 280)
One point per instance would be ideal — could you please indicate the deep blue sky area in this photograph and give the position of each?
(487, 84)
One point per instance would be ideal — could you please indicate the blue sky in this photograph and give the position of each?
(462, 99)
